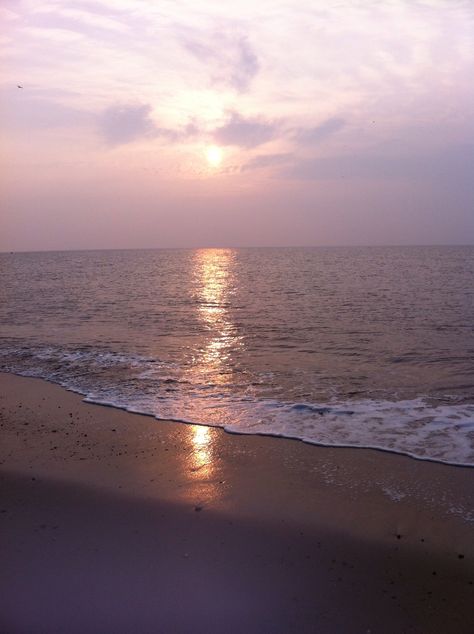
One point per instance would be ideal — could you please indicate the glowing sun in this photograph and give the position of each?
(214, 155)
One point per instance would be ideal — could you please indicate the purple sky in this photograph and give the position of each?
(330, 122)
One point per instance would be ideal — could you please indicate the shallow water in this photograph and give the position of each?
(339, 346)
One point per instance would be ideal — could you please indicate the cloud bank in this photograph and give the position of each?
(245, 133)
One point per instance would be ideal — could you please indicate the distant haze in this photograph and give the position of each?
(145, 123)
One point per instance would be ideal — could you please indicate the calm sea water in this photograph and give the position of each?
(368, 347)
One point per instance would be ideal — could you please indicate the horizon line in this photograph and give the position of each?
(196, 248)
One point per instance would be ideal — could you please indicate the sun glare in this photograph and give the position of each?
(214, 155)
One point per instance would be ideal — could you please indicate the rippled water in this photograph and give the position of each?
(339, 346)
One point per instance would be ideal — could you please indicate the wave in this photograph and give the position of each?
(420, 427)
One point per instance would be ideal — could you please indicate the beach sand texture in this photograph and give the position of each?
(114, 522)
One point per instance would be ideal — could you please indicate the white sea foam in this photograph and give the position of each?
(415, 427)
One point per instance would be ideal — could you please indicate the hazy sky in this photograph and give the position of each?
(147, 123)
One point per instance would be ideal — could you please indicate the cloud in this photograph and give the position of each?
(266, 160)
(322, 131)
(121, 124)
(78, 20)
(7, 15)
(452, 164)
(232, 60)
(246, 133)
(247, 66)
(29, 109)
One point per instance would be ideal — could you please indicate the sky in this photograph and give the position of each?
(193, 123)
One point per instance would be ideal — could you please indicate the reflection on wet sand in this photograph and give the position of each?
(200, 465)
(202, 450)
(191, 455)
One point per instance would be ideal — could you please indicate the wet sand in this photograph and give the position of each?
(115, 522)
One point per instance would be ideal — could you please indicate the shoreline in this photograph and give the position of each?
(321, 538)
(91, 401)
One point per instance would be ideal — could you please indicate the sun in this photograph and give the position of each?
(214, 155)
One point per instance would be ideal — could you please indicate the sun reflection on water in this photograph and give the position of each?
(215, 284)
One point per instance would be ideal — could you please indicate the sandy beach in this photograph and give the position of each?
(116, 522)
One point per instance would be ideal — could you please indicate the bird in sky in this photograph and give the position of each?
(18, 86)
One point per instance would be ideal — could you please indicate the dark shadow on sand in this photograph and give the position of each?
(76, 559)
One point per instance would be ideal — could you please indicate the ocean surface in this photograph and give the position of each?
(363, 347)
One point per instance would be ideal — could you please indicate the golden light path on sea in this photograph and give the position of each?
(213, 286)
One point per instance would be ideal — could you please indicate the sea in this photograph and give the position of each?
(344, 347)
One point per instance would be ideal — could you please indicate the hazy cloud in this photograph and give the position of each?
(201, 51)
(321, 131)
(247, 65)
(233, 60)
(243, 132)
(7, 15)
(125, 123)
(267, 160)
(24, 109)
(450, 165)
